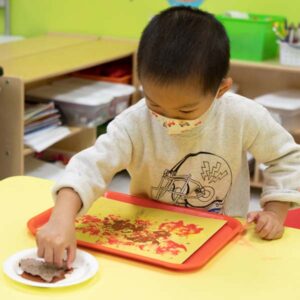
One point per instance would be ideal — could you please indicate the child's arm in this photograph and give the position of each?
(274, 146)
(90, 171)
(85, 179)
(58, 234)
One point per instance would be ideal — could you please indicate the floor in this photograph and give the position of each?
(120, 182)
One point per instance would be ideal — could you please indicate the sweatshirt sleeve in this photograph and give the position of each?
(272, 145)
(91, 170)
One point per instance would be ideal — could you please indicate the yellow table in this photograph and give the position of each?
(248, 268)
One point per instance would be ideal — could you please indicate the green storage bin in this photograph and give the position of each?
(101, 129)
(253, 38)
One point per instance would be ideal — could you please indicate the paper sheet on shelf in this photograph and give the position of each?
(42, 139)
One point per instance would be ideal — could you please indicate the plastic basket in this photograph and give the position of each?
(252, 38)
(289, 54)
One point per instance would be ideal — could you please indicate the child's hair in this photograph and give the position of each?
(184, 44)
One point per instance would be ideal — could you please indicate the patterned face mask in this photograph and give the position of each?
(177, 126)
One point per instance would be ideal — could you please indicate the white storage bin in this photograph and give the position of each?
(284, 106)
(85, 102)
(289, 54)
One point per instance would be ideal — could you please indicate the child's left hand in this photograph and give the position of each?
(269, 225)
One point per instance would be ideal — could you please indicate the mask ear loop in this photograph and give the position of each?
(216, 95)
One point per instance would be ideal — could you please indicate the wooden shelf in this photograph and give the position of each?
(74, 130)
(258, 78)
(67, 59)
(255, 184)
(267, 65)
(35, 61)
(296, 135)
(40, 44)
(27, 151)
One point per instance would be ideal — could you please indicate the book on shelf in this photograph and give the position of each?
(42, 125)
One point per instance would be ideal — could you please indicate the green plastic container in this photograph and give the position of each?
(101, 129)
(253, 38)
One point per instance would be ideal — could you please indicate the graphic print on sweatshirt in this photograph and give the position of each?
(201, 180)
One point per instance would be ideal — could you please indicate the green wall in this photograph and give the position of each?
(124, 18)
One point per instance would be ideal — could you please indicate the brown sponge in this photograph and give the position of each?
(41, 271)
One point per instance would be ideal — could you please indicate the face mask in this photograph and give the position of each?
(176, 126)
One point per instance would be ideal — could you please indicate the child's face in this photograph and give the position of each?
(180, 101)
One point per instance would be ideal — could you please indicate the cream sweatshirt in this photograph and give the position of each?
(203, 168)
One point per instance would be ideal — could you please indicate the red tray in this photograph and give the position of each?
(195, 261)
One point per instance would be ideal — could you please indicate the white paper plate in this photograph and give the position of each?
(85, 266)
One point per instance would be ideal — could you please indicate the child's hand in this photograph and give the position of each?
(269, 225)
(58, 235)
(54, 239)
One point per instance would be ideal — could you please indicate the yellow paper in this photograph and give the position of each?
(160, 234)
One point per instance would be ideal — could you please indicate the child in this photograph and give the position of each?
(186, 143)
